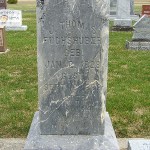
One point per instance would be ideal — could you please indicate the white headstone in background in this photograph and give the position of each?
(123, 13)
(11, 19)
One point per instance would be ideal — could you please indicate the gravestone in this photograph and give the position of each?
(3, 4)
(113, 7)
(72, 77)
(141, 35)
(118, 6)
(12, 19)
(131, 7)
(146, 10)
(139, 144)
(2, 39)
(123, 14)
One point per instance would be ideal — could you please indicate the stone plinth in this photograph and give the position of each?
(36, 141)
(123, 22)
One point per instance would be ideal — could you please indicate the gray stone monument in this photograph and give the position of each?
(141, 35)
(72, 77)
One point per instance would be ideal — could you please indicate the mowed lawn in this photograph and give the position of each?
(128, 99)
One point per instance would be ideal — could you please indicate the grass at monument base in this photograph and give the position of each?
(128, 99)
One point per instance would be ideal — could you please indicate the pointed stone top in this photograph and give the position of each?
(143, 22)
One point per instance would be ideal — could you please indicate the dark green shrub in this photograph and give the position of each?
(12, 1)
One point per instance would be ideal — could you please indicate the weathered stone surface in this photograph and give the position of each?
(123, 13)
(36, 141)
(139, 144)
(142, 29)
(72, 66)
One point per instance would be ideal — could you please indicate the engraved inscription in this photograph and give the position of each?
(69, 40)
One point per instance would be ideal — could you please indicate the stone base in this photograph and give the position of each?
(123, 22)
(138, 45)
(16, 28)
(132, 17)
(35, 141)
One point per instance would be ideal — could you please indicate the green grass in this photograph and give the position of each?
(128, 100)
(24, 6)
(18, 81)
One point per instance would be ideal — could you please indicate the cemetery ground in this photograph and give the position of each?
(128, 98)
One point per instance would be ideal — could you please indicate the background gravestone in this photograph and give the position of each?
(72, 77)
(123, 20)
(113, 7)
(2, 39)
(123, 13)
(141, 34)
(3, 4)
(12, 19)
(122, 7)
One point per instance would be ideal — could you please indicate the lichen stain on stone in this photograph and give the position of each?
(40, 3)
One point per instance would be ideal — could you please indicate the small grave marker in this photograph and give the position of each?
(3, 4)
(2, 39)
(146, 10)
(12, 19)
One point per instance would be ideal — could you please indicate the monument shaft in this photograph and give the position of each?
(72, 66)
